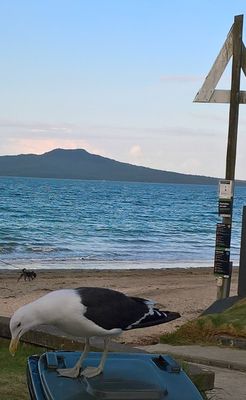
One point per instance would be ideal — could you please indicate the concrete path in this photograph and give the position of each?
(229, 365)
(222, 357)
(229, 385)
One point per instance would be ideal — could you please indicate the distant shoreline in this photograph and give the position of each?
(80, 164)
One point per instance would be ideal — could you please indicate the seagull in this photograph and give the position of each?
(87, 312)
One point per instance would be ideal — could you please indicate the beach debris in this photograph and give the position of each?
(87, 312)
(27, 274)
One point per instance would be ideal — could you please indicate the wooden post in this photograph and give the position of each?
(233, 121)
(234, 99)
(232, 47)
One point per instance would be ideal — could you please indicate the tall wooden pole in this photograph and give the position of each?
(233, 124)
(234, 98)
(232, 47)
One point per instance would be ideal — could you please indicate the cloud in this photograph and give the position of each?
(16, 129)
(39, 145)
(29, 128)
(136, 151)
(32, 125)
(37, 137)
(52, 129)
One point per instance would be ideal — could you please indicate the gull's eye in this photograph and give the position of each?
(19, 324)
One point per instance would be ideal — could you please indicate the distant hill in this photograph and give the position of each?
(79, 164)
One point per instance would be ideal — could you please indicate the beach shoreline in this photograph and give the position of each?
(186, 290)
(88, 264)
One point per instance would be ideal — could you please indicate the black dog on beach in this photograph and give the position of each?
(26, 274)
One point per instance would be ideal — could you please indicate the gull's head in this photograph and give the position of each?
(22, 321)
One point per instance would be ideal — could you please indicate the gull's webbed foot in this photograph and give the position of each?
(75, 370)
(90, 372)
(69, 372)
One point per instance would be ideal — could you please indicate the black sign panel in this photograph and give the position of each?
(222, 262)
(223, 236)
(225, 207)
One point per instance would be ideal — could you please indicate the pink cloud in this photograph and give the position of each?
(136, 151)
(42, 145)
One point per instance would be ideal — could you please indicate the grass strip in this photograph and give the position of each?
(206, 329)
(13, 370)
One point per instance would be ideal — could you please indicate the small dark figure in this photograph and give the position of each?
(26, 274)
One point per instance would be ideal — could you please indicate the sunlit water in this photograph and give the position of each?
(94, 224)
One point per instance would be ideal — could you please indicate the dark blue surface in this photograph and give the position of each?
(126, 376)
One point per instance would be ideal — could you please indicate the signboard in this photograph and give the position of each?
(225, 207)
(222, 249)
(223, 236)
(225, 189)
(225, 198)
(222, 262)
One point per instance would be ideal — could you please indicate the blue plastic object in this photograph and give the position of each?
(126, 376)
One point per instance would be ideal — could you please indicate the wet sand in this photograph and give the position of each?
(187, 291)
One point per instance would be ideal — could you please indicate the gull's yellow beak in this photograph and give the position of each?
(13, 346)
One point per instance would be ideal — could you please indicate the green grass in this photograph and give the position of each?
(13, 370)
(205, 330)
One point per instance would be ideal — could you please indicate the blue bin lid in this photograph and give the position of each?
(126, 376)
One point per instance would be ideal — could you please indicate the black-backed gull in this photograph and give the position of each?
(87, 312)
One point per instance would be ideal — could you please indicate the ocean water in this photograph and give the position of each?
(96, 224)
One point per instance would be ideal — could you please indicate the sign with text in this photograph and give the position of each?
(225, 207)
(223, 236)
(222, 262)
(225, 189)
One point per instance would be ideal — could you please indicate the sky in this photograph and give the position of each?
(117, 78)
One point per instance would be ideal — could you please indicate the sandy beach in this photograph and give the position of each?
(188, 291)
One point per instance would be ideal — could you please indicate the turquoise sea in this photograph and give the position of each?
(96, 224)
